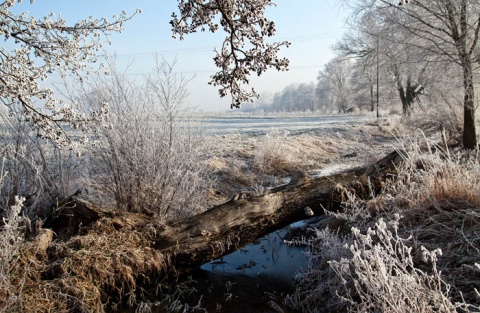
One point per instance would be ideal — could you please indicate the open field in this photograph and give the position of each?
(246, 162)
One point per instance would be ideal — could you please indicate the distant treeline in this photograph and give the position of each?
(347, 85)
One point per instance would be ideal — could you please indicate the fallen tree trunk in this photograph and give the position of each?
(225, 228)
(100, 255)
(190, 242)
(193, 241)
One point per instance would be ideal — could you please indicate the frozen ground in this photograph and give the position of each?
(242, 159)
(260, 125)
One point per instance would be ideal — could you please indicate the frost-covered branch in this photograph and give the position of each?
(35, 49)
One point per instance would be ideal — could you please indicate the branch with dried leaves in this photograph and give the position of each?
(244, 50)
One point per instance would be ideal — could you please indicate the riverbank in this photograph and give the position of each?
(430, 220)
(96, 260)
(254, 164)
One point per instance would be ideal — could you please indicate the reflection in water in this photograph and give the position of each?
(268, 255)
(225, 292)
(255, 278)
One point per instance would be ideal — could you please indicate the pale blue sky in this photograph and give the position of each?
(312, 26)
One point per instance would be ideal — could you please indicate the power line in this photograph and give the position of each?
(299, 67)
(211, 48)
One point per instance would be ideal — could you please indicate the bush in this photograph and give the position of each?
(38, 170)
(149, 151)
(317, 285)
(272, 156)
(381, 276)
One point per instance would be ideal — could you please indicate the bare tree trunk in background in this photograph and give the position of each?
(469, 128)
(408, 95)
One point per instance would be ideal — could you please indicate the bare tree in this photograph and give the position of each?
(378, 44)
(337, 76)
(446, 30)
(451, 28)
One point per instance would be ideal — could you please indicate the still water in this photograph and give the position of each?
(253, 279)
(267, 256)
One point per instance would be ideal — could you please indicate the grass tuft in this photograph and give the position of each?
(425, 261)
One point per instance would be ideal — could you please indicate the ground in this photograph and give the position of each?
(245, 163)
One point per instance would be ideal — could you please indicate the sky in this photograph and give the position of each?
(312, 26)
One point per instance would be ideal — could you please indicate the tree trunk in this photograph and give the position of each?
(230, 226)
(193, 241)
(408, 95)
(469, 128)
(459, 34)
(225, 228)
(372, 99)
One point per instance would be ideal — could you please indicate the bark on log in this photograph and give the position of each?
(228, 227)
(193, 241)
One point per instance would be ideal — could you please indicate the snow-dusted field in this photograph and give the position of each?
(226, 124)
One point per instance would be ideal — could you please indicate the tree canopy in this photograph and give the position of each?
(244, 50)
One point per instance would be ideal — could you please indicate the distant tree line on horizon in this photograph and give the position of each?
(349, 85)
(382, 60)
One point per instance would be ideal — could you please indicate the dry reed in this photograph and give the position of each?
(95, 272)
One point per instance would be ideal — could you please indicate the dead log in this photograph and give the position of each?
(190, 242)
(225, 228)
(70, 214)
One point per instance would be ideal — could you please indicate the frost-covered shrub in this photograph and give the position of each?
(37, 169)
(11, 238)
(149, 152)
(381, 276)
(317, 285)
(395, 266)
(371, 272)
(272, 156)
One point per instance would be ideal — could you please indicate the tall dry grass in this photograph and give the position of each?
(272, 155)
(413, 248)
(35, 174)
(11, 238)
